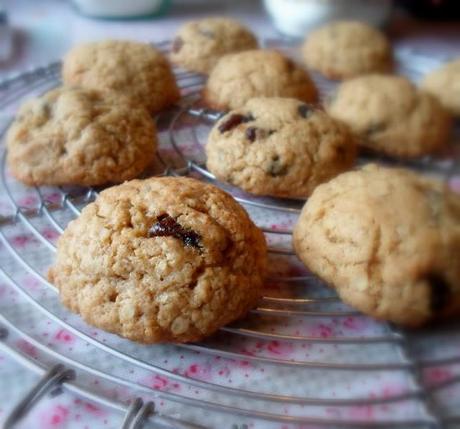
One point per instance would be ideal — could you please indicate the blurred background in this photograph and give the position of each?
(34, 32)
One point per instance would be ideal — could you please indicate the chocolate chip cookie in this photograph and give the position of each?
(199, 44)
(134, 69)
(236, 78)
(391, 116)
(76, 136)
(444, 83)
(162, 259)
(388, 240)
(279, 147)
(345, 49)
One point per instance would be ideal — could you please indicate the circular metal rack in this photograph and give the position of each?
(318, 362)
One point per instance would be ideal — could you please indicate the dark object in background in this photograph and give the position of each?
(433, 9)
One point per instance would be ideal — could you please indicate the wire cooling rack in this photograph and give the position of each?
(301, 359)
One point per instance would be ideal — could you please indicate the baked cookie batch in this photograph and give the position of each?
(174, 259)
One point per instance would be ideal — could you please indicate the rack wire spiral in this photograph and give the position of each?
(289, 316)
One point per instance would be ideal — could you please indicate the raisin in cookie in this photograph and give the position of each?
(163, 259)
(199, 44)
(258, 73)
(391, 116)
(279, 147)
(346, 49)
(76, 136)
(135, 69)
(388, 240)
(444, 83)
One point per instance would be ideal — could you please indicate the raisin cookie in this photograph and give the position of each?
(388, 240)
(163, 259)
(278, 147)
(135, 69)
(444, 83)
(76, 136)
(258, 73)
(199, 44)
(345, 49)
(391, 116)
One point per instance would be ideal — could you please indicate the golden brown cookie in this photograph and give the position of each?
(279, 147)
(163, 259)
(388, 240)
(258, 73)
(391, 116)
(198, 45)
(444, 83)
(345, 49)
(76, 136)
(134, 69)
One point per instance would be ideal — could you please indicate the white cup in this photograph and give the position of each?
(295, 18)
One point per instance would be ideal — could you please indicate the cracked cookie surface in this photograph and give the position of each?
(134, 69)
(444, 83)
(388, 240)
(198, 45)
(163, 259)
(346, 49)
(76, 136)
(236, 78)
(279, 147)
(390, 115)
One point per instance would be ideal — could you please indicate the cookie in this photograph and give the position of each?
(388, 240)
(76, 136)
(236, 78)
(163, 259)
(344, 49)
(199, 44)
(391, 116)
(444, 83)
(279, 147)
(134, 69)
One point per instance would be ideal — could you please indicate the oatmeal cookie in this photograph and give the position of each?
(76, 136)
(134, 69)
(162, 259)
(279, 147)
(391, 116)
(388, 240)
(199, 44)
(258, 73)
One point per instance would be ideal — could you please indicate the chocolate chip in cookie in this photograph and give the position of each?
(304, 110)
(290, 64)
(167, 226)
(375, 128)
(440, 292)
(277, 168)
(233, 121)
(251, 133)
